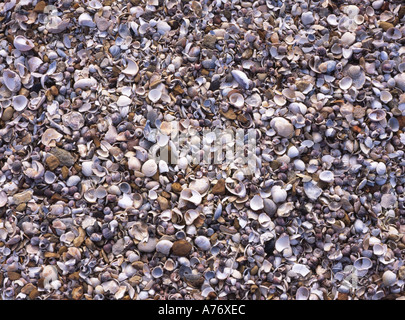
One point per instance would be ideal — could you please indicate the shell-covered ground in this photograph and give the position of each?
(92, 91)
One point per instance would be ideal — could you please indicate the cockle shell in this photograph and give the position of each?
(191, 195)
(131, 69)
(149, 168)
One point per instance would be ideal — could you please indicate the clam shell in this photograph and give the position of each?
(19, 102)
(302, 293)
(377, 115)
(345, 83)
(203, 243)
(132, 69)
(200, 185)
(237, 100)
(256, 203)
(164, 247)
(282, 243)
(242, 79)
(149, 168)
(154, 95)
(389, 278)
(21, 43)
(12, 80)
(327, 176)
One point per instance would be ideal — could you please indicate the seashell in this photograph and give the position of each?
(347, 39)
(125, 202)
(12, 80)
(357, 75)
(256, 203)
(123, 101)
(282, 126)
(278, 194)
(87, 168)
(134, 164)
(23, 44)
(327, 176)
(182, 163)
(307, 18)
(265, 221)
(300, 269)
(200, 185)
(393, 123)
(125, 187)
(332, 20)
(154, 95)
(74, 120)
(157, 272)
(381, 168)
(399, 81)
(282, 243)
(191, 195)
(285, 209)
(238, 189)
(131, 70)
(203, 243)
(385, 96)
(34, 63)
(50, 137)
(3, 200)
(100, 192)
(164, 247)
(190, 216)
(85, 83)
(237, 100)
(362, 265)
(377, 115)
(302, 293)
(312, 190)
(389, 278)
(85, 20)
(242, 79)
(149, 168)
(345, 83)
(170, 265)
(379, 249)
(19, 102)
(73, 180)
(393, 33)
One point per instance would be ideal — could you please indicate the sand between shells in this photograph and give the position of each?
(87, 213)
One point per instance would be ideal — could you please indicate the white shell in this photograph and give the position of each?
(377, 115)
(21, 43)
(302, 293)
(237, 100)
(123, 101)
(381, 168)
(191, 196)
(256, 203)
(200, 185)
(11, 80)
(131, 70)
(85, 20)
(242, 79)
(385, 96)
(50, 136)
(85, 83)
(149, 168)
(345, 83)
(282, 243)
(278, 194)
(164, 246)
(389, 278)
(203, 243)
(19, 102)
(327, 176)
(312, 190)
(190, 216)
(125, 202)
(154, 95)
